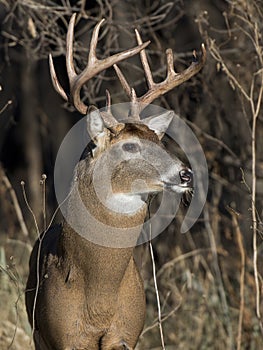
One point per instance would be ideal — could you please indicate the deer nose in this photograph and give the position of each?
(186, 176)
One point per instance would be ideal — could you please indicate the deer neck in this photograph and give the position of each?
(94, 271)
(92, 262)
(92, 232)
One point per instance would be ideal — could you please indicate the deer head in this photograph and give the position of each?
(131, 159)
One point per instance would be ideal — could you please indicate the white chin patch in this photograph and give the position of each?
(178, 189)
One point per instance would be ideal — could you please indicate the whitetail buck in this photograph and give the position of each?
(91, 296)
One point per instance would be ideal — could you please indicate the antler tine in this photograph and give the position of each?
(69, 50)
(170, 63)
(108, 101)
(145, 63)
(107, 116)
(93, 43)
(69, 61)
(74, 79)
(94, 65)
(135, 106)
(130, 92)
(134, 111)
(173, 79)
(55, 81)
(125, 85)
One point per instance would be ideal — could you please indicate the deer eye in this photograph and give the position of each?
(131, 147)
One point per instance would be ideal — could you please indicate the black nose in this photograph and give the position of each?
(186, 176)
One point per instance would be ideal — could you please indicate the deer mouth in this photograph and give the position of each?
(178, 188)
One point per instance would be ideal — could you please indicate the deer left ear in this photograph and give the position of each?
(96, 128)
(160, 123)
(95, 124)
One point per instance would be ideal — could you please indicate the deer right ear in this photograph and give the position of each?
(96, 128)
(160, 123)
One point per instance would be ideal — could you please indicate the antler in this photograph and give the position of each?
(94, 65)
(172, 80)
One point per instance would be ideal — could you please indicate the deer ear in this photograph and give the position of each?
(160, 123)
(96, 129)
(95, 124)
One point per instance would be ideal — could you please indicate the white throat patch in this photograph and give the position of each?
(124, 203)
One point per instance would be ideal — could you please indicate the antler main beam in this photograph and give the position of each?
(172, 80)
(94, 65)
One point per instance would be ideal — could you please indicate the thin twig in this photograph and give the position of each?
(29, 208)
(155, 282)
(255, 112)
(212, 138)
(217, 56)
(239, 238)
(155, 324)
(157, 294)
(174, 261)
(254, 100)
(43, 183)
(219, 279)
(38, 233)
(16, 206)
(8, 103)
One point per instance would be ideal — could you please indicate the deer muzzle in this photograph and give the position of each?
(184, 184)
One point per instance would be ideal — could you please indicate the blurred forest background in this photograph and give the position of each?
(209, 279)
